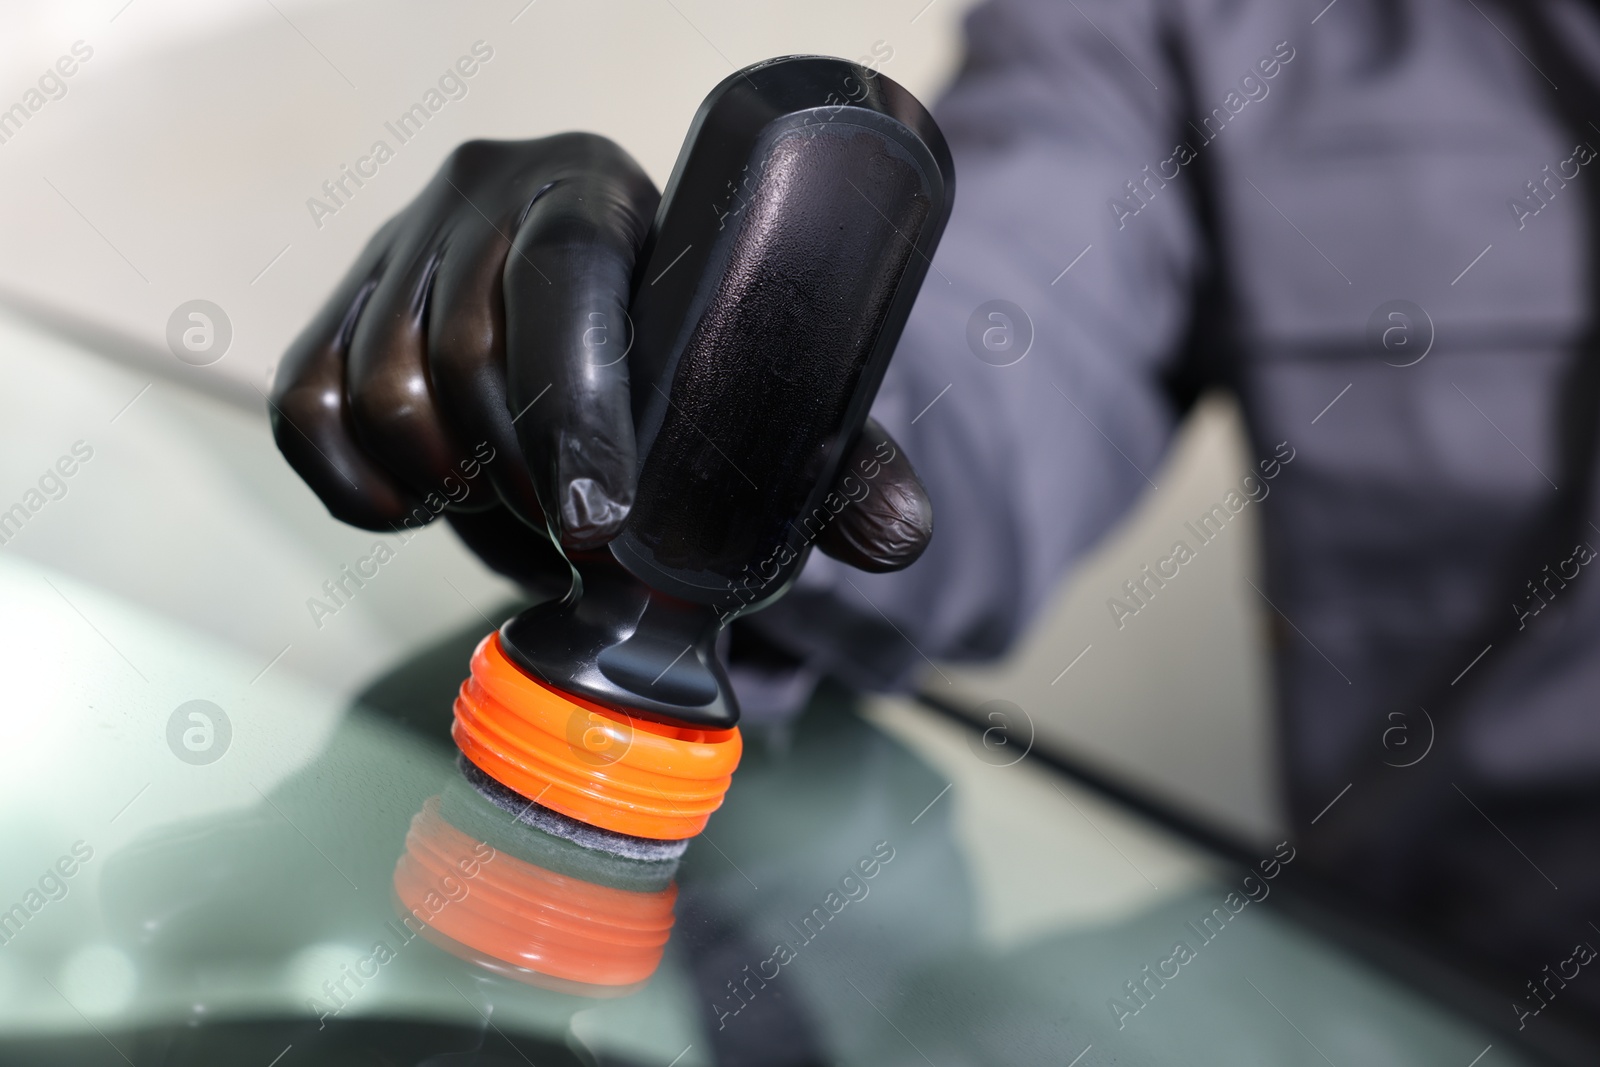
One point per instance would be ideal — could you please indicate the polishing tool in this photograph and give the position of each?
(790, 242)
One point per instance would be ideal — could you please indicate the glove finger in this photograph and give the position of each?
(888, 521)
(567, 285)
(467, 350)
(396, 418)
(310, 413)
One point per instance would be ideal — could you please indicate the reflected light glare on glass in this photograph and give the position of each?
(308, 969)
(99, 980)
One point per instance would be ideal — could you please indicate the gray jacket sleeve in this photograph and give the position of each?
(1057, 108)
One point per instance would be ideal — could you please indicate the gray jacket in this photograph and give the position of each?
(1374, 206)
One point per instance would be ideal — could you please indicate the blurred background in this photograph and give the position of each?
(179, 162)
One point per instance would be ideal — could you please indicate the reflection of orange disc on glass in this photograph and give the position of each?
(586, 761)
(519, 919)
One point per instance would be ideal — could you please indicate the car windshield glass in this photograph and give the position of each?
(225, 818)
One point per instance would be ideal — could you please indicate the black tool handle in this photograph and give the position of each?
(790, 244)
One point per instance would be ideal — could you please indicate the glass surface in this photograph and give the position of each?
(879, 888)
(209, 860)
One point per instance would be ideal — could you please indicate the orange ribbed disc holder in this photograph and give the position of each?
(536, 920)
(587, 761)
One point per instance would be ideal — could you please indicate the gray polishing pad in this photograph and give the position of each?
(553, 822)
(475, 815)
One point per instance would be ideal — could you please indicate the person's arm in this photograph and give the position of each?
(1057, 107)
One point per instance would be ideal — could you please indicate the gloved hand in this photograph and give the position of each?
(447, 373)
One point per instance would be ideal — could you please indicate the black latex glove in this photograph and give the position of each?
(449, 373)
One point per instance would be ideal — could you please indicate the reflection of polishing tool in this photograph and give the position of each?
(788, 248)
(535, 908)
